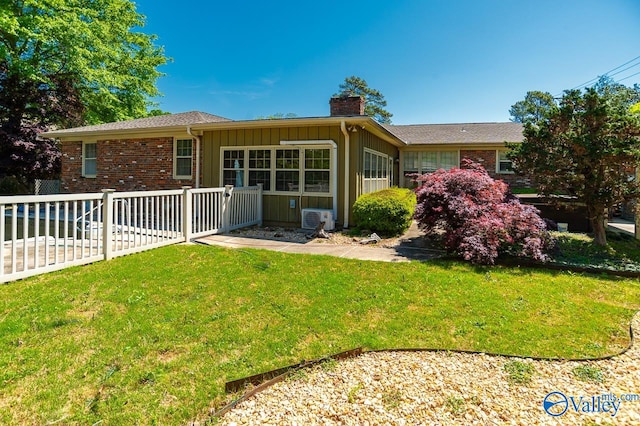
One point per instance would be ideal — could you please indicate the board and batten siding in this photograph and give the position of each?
(276, 207)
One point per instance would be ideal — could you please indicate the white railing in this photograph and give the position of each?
(43, 233)
(245, 206)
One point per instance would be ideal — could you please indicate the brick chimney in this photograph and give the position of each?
(346, 105)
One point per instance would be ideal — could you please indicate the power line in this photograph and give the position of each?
(632, 75)
(623, 70)
(610, 71)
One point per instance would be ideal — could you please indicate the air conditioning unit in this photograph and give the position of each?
(312, 217)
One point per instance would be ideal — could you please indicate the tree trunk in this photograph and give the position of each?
(320, 232)
(597, 218)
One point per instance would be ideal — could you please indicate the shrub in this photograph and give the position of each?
(388, 211)
(479, 219)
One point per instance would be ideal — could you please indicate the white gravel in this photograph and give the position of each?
(446, 388)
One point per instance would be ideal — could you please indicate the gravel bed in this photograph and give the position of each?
(448, 388)
(303, 236)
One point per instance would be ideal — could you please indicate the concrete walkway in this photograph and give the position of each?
(411, 247)
(622, 225)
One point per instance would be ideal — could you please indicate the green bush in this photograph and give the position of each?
(388, 211)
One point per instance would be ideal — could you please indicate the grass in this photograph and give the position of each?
(621, 253)
(152, 337)
(455, 404)
(588, 373)
(519, 372)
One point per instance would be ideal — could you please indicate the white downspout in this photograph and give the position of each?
(197, 138)
(345, 132)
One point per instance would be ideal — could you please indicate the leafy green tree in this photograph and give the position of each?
(64, 63)
(374, 100)
(533, 108)
(587, 146)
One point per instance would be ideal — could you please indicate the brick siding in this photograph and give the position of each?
(123, 165)
(487, 158)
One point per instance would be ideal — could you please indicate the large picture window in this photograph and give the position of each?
(297, 170)
(89, 159)
(183, 158)
(419, 163)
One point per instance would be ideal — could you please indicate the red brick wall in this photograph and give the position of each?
(123, 165)
(487, 158)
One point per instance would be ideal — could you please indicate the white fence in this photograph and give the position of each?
(43, 233)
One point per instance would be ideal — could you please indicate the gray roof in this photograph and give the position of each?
(412, 134)
(462, 133)
(169, 120)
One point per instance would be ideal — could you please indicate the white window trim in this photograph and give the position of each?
(301, 169)
(380, 182)
(498, 171)
(175, 159)
(84, 159)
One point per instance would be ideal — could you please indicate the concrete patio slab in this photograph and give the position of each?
(404, 252)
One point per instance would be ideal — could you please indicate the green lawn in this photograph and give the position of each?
(153, 337)
(622, 252)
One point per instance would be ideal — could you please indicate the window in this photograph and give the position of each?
(419, 163)
(89, 159)
(260, 168)
(233, 167)
(317, 165)
(291, 169)
(503, 165)
(183, 162)
(448, 160)
(377, 173)
(288, 170)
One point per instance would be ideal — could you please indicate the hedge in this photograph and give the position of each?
(388, 211)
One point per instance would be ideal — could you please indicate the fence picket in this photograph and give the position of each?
(91, 227)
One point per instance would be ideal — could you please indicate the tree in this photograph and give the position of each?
(585, 146)
(373, 99)
(533, 108)
(479, 218)
(66, 63)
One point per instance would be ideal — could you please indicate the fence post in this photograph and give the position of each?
(187, 213)
(226, 207)
(260, 185)
(107, 223)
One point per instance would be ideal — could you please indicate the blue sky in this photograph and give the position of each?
(435, 61)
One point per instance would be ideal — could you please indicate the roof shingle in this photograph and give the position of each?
(159, 121)
(463, 133)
